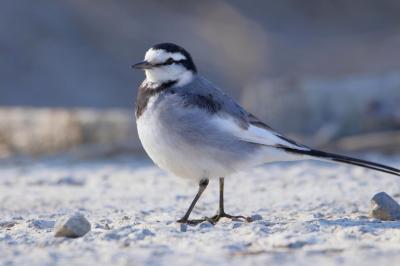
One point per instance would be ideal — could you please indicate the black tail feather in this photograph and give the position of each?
(345, 159)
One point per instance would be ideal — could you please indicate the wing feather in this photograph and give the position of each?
(229, 116)
(254, 133)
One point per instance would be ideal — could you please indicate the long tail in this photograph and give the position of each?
(344, 159)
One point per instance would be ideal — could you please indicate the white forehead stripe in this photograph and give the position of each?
(159, 56)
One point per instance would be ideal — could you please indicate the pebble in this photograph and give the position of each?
(384, 207)
(72, 226)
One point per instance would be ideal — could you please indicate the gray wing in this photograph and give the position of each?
(204, 96)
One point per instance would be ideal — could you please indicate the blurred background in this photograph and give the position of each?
(325, 72)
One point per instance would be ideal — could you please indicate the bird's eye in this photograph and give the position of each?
(169, 61)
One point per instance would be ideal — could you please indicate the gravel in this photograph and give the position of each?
(384, 207)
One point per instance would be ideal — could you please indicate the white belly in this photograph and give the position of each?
(167, 149)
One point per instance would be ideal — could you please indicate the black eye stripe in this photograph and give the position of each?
(170, 61)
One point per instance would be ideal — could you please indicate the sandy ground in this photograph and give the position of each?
(306, 213)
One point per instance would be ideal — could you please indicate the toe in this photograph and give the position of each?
(191, 222)
(237, 217)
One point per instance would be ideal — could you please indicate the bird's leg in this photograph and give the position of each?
(185, 219)
(221, 212)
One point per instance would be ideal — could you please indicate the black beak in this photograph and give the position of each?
(142, 65)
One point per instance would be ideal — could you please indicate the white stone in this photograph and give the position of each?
(383, 207)
(72, 226)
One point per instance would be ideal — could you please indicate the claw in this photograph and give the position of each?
(214, 219)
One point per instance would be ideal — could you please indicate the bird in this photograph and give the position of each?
(192, 129)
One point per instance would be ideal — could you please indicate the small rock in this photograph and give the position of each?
(72, 226)
(383, 207)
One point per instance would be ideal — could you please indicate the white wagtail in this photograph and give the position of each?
(191, 128)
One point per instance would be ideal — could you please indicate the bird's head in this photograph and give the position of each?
(167, 62)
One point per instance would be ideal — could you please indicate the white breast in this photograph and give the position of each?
(167, 149)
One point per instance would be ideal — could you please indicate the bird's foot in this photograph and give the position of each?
(191, 222)
(214, 219)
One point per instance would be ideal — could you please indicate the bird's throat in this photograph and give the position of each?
(157, 77)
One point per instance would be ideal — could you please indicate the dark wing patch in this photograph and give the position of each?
(205, 102)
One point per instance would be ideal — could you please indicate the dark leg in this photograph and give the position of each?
(221, 212)
(185, 219)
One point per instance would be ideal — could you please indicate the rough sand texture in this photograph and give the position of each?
(309, 214)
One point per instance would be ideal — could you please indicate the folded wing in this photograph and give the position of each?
(256, 132)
